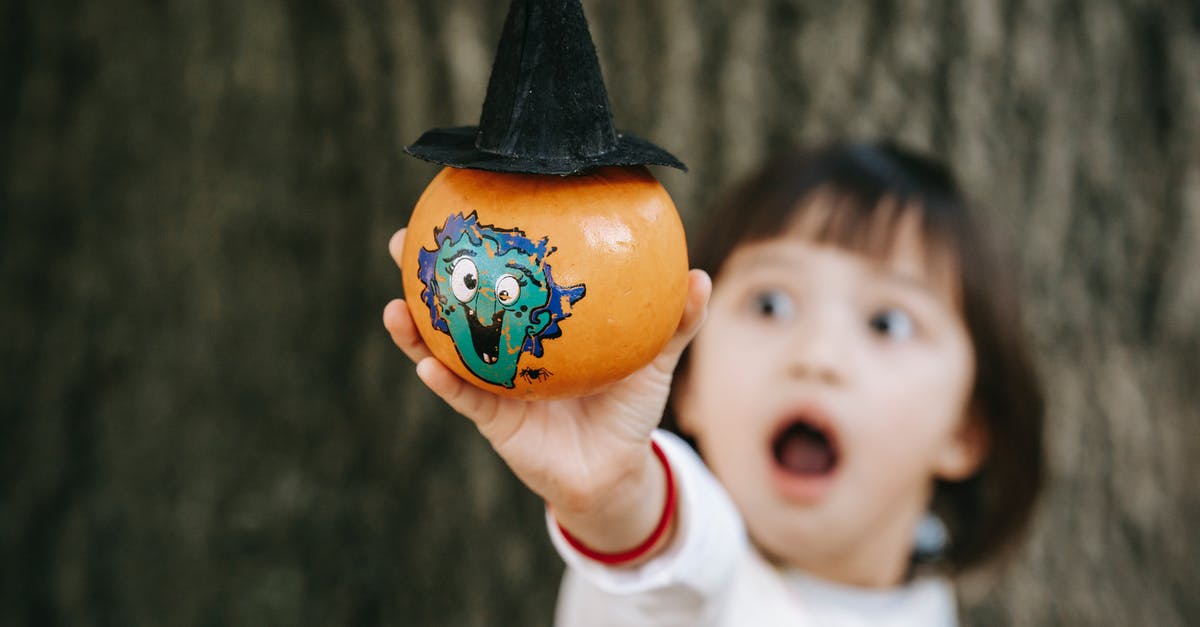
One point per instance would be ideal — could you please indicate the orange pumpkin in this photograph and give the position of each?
(541, 286)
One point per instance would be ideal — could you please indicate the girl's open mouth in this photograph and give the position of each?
(804, 459)
(804, 450)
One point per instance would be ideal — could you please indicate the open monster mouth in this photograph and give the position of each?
(802, 449)
(486, 339)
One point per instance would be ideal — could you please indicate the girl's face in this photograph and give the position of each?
(827, 391)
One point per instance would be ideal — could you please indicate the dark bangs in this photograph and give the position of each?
(865, 189)
(872, 186)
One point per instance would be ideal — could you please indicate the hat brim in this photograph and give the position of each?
(455, 147)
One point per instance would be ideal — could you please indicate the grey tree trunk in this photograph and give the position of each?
(204, 422)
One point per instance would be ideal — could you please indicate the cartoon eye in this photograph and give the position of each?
(464, 279)
(893, 323)
(508, 288)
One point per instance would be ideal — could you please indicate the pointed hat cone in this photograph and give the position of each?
(546, 110)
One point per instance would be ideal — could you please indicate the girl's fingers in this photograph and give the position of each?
(396, 245)
(399, 323)
(466, 399)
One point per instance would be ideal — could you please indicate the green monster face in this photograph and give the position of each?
(492, 292)
(491, 296)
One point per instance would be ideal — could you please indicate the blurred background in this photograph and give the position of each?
(204, 422)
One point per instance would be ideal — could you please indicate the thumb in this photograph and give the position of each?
(694, 312)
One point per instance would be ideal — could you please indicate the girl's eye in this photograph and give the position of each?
(772, 304)
(464, 280)
(508, 288)
(893, 323)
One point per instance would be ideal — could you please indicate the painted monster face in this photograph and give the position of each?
(491, 291)
(487, 300)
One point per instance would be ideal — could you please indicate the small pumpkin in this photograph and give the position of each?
(546, 262)
(544, 286)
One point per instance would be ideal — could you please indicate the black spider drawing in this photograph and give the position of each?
(535, 374)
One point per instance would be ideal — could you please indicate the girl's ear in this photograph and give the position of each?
(964, 450)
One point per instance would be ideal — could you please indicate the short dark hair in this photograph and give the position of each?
(873, 185)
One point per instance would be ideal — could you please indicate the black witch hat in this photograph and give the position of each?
(546, 110)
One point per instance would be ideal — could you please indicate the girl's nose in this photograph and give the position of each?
(819, 348)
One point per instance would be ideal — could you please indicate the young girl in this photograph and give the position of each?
(860, 377)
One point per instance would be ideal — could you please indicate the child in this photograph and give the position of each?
(861, 373)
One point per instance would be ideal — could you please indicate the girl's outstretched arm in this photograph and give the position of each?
(588, 457)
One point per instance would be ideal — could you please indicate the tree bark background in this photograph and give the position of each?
(204, 422)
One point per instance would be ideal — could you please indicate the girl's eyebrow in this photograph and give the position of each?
(772, 258)
(915, 285)
(906, 280)
(516, 266)
(462, 252)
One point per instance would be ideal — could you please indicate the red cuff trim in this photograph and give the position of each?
(664, 523)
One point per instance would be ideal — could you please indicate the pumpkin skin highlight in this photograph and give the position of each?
(601, 262)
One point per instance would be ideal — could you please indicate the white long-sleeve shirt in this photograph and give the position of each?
(711, 576)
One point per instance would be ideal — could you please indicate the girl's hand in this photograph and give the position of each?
(588, 457)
